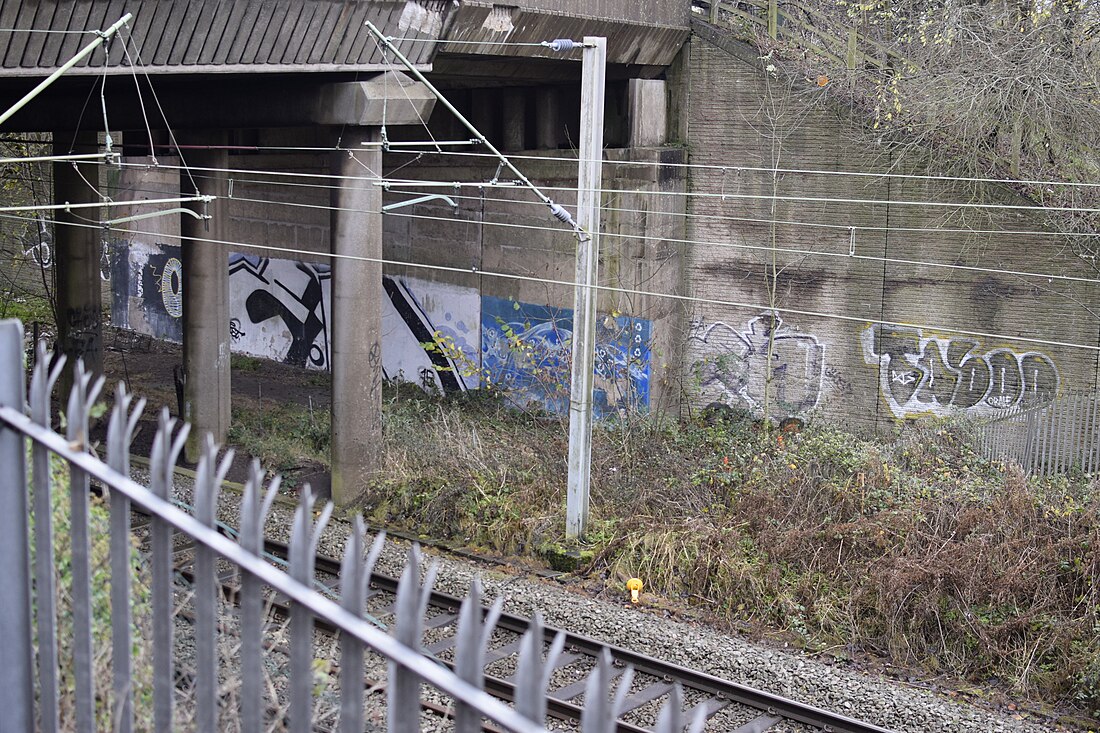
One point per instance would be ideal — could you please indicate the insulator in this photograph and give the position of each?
(562, 44)
(560, 213)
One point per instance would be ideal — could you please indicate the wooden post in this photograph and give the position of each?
(589, 183)
(773, 18)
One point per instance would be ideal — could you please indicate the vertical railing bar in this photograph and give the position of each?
(355, 573)
(1067, 431)
(352, 597)
(1081, 451)
(351, 656)
(42, 384)
(472, 642)
(404, 684)
(998, 441)
(16, 653)
(1048, 432)
(600, 715)
(1071, 452)
(1052, 462)
(1094, 433)
(163, 459)
(1048, 450)
(533, 673)
(1076, 462)
(119, 433)
(81, 398)
(1063, 432)
(254, 508)
(1086, 434)
(1029, 442)
(207, 486)
(304, 540)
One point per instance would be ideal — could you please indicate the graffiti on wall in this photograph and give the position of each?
(37, 243)
(417, 312)
(147, 289)
(921, 375)
(526, 350)
(733, 368)
(279, 309)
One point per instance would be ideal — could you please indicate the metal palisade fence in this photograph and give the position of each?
(42, 689)
(1059, 436)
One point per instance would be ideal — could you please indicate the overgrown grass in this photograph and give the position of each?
(913, 547)
(283, 436)
(27, 308)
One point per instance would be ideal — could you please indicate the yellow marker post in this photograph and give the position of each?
(634, 585)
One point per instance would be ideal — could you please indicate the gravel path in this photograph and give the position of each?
(784, 673)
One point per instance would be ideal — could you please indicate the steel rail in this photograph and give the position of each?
(722, 691)
(717, 687)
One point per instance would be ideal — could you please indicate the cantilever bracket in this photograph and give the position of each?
(420, 200)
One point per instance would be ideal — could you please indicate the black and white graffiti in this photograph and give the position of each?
(285, 307)
(733, 369)
(929, 375)
(417, 312)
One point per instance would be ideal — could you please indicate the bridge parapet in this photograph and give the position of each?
(226, 36)
(638, 32)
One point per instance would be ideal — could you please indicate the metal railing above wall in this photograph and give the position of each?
(31, 693)
(1059, 436)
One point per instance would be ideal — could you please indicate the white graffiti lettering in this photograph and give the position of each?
(929, 375)
(733, 367)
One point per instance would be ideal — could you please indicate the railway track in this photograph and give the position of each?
(727, 706)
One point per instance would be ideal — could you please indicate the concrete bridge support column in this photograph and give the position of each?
(515, 119)
(356, 316)
(206, 368)
(648, 101)
(76, 252)
(547, 132)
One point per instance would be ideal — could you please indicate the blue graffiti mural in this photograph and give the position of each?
(526, 351)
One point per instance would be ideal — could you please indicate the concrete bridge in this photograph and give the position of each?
(874, 310)
(200, 89)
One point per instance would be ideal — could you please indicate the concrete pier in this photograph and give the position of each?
(76, 252)
(206, 365)
(356, 317)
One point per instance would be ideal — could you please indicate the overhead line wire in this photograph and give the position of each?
(846, 227)
(712, 166)
(403, 182)
(730, 245)
(799, 171)
(607, 288)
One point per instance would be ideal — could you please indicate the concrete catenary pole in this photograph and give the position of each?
(356, 315)
(589, 183)
(76, 257)
(206, 364)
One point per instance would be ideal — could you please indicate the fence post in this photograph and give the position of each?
(16, 655)
(714, 11)
(773, 18)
